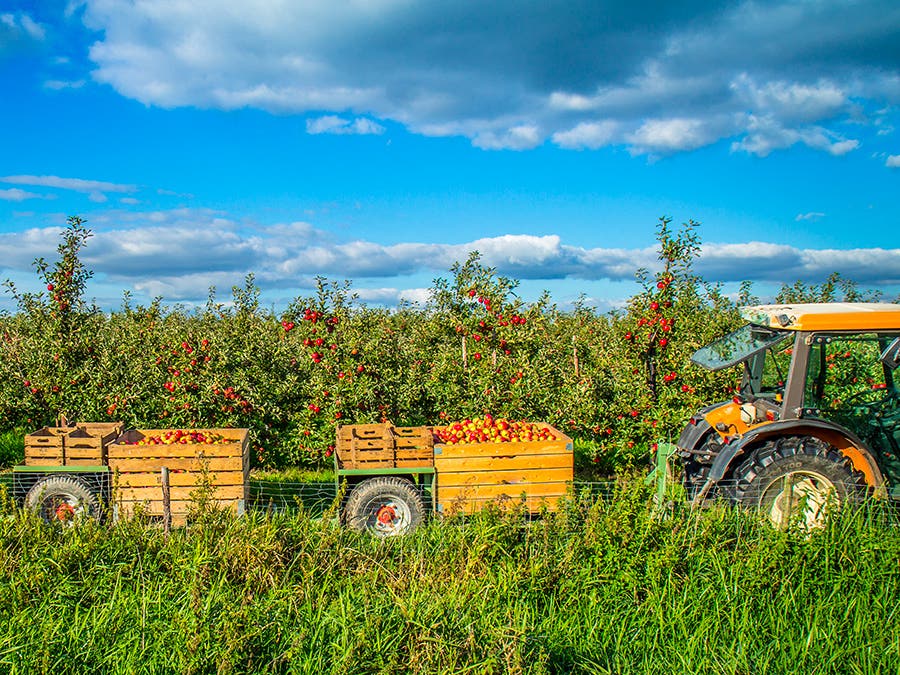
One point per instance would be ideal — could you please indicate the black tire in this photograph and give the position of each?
(794, 479)
(385, 506)
(63, 499)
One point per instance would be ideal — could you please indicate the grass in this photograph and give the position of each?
(602, 587)
(12, 447)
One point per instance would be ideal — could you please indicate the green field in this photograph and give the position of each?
(605, 586)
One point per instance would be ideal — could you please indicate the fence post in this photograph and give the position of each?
(166, 501)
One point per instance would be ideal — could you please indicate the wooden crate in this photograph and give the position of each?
(79, 444)
(384, 446)
(137, 469)
(44, 447)
(468, 476)
(86, 445)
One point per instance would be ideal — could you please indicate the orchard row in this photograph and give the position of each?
(620, 380)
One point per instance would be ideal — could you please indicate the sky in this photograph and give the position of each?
(379, 141)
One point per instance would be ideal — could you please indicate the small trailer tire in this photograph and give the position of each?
(63, 499)
(385, 506)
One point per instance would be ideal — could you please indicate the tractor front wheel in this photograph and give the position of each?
(795, 480)
(385, 506)
(63, 499)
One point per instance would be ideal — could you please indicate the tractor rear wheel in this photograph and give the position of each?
(796, 479)
(63, 499)
(385, 506)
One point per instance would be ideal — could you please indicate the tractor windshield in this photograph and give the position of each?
(738, 346)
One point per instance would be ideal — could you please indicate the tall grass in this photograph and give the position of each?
(600, 587)
(12, 447)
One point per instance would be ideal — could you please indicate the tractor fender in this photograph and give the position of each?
(848, 443)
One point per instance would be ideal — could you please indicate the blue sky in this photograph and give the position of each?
(381, 140)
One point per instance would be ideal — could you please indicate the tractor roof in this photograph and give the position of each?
(857, 316)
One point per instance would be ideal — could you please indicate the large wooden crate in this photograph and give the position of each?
(79, 444)
(383, 446)
(44, 447)
(87, 444)
(220, 471)
(468, 476)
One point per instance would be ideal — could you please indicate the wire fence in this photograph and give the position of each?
(780, 499)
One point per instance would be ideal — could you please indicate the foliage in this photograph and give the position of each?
(617, 382)
(600, 587)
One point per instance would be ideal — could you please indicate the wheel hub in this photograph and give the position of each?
(64, 512)
(386, 515)
(800, 496)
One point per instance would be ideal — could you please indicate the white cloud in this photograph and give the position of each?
(790, 101)
(58, 85)
(511, 76)
(893, 161)
(590, 135)
(332, 124)
(180, 253)
(811, 216)
(17, 195)
(77, 184)
(520, 137)
(766, 134)
(20, 24)
(671, 135)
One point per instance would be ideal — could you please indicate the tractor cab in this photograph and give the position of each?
(819, 397)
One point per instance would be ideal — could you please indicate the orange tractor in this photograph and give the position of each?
(816, 420)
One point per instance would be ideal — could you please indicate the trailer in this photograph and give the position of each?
(99, 470)
(394, 477)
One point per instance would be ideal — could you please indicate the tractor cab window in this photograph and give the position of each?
(845, 372)
(738, 347)
(764, 352)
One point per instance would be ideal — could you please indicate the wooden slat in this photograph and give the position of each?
(43, 451)
(229, 450)
(139, 465)
(470, 506)
(491, 491)
(176, 479)
(84, 461)
(524, 478)
(126, 509)
(44, 461)
(509, 449)
(503, 462)
(221, 493)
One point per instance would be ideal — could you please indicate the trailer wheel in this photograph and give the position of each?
(794, 479)
(63, 499)
(386, 506)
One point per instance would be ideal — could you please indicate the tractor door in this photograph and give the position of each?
(849, 383)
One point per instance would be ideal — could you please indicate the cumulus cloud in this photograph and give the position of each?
(656, 77)
(591, 135)
(893, 161)
(766, 134)
(180, 253)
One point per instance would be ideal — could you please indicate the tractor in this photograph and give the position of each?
(815, 421)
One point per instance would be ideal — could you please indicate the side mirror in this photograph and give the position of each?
(891, 356)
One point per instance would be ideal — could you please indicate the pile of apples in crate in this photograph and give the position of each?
(487, 429)
(182, 437)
